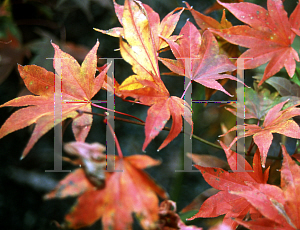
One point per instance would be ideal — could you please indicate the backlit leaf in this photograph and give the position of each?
(276, 121)
(269, 36)
(78, 83)
(224, 202)
(198, 58)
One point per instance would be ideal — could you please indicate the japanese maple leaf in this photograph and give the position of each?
(269, 35)
(232, 51)
(280, 207)
(145, 85)
(224, 202)
(276, 121)
(125, 192)
(164, 28)
(205, 22)
(199, 59)
(158, 115)
(78, 86)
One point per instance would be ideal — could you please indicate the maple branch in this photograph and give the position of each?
(134, 102)
(101, 107)
(206, 142)
(143, 124)
(116, 118)
(168, 129)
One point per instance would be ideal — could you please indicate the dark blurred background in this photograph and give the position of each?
(26, 29)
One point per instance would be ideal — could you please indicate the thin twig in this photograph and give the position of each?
(168, 129)
(143, 124)
(101, 107)
(207, 142)
(186, 89)
(116, 139)
(116, 118)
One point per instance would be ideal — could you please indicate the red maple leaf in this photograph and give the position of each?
(232, 51)
(269, 35)
(205, 22)
(224, 202)
(276, 121)
(123, 193)
(78, 83)
(198, 58)
(280, 207)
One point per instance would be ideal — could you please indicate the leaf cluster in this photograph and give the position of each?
(112, 188)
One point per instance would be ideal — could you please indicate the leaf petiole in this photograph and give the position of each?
(186, 89)
(116, 140)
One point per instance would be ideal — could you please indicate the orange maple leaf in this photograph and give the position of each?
(78, 86)
(164, 28)
(224, 202)
(269, 35)
(138, 48)
(280, 207)
(125, 192)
